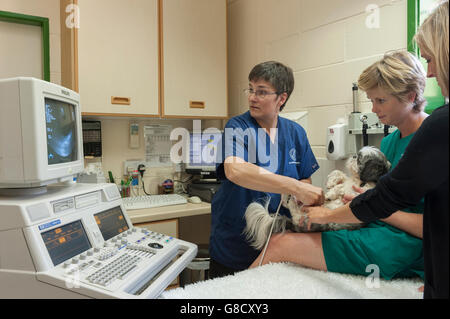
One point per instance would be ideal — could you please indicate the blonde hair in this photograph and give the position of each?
(398, 73)
(432, 39)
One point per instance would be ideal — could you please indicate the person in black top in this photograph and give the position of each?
(423, 171)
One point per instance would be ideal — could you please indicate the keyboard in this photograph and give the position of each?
(142, 202)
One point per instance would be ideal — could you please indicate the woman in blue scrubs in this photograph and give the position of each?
(263, 155)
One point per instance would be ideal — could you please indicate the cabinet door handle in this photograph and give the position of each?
(197, 104)
(120, 100)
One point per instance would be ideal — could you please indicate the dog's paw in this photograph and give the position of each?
(335, 192)
(296, 218)
(333, 204)
(334, 178)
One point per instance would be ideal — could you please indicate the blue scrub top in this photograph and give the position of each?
(290, 155)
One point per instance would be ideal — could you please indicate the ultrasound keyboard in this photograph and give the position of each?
(142, 202)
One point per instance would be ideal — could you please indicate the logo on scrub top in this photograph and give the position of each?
(293, 156)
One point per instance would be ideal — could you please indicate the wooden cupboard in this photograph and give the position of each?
(153, 58)
(194, 51)
(118, 57)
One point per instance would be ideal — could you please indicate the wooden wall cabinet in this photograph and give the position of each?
(153, 58)
(118, 57)
(194, 58)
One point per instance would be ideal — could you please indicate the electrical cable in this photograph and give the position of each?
(270, 233)
(143, 187)
(141, 170)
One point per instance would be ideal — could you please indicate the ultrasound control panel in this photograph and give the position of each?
(110, 266)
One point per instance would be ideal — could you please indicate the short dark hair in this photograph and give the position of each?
(278, 75)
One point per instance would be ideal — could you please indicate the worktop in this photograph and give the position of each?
(168, 212)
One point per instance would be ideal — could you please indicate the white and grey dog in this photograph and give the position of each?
(365, 169)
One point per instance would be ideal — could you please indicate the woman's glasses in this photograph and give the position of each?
(260, 94)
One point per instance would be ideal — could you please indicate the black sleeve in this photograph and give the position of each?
(422, 168)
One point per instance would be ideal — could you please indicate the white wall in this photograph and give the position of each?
(326, 42)
(43, 8)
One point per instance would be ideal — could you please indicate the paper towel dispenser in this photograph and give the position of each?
(298, 117)
(337, 148)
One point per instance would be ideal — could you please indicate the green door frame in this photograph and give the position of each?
(432, 93)
(413, 24)
(42, 22)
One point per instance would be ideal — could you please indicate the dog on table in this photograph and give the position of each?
(365, 169)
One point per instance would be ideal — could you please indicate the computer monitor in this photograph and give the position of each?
(40, 133)
(203, 150)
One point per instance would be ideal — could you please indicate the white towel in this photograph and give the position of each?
(290, 281)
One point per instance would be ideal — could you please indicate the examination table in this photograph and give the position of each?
(290, 281)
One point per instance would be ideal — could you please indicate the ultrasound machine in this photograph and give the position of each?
(60, 239)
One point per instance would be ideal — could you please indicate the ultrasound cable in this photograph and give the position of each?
(270, 233)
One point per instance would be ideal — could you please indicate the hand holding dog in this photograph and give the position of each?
(348, 197)
(308, 194)
(316, 215)
(322, 215)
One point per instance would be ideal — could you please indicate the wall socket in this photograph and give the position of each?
(132, 165)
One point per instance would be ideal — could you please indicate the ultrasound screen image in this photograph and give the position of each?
(61, 132)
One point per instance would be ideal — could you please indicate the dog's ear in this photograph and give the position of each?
(371, 171)
(388, 165)
(285, 199)
(372, 164)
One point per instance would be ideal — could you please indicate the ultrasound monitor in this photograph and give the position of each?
(40, 134)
